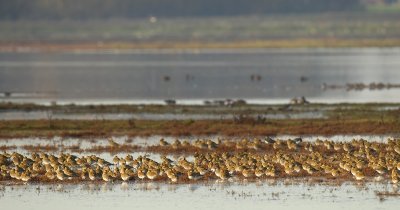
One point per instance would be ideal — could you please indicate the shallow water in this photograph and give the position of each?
(35, 115)
(194, 76)
(267, 194)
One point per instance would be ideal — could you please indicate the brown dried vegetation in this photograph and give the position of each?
(243, 127)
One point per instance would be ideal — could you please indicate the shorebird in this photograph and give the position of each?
(193, 175)
(112, 143)
(125, 176)
(211, 145)
(166, 160)
(152, 174)
(185, 164)
(50, 175)
(116, 160)
(163, 142)
(308, 168)
(67, 171)
(105, 175)
(337, 146)
(395, 176)
(171, 174)
(270, 172)
(379, 168)
(357, 174)
(397, 149)
(259, 172)
(141, 174)
(328, 145)
(248, 173)
(201, 170)
(60, 175)
(335, 173)
(292, 145)
(92, 175)
(221, 173)
(45, 160)
(37, 167)
(185, 143)
(128, 159)
(277, 145)
(25, 177)
(269, 140)
(298, 140)
(288, 170)
(83, 173)
(176, 144)
(297, 167)
(347, 147)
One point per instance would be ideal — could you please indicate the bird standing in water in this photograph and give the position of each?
(269, 140)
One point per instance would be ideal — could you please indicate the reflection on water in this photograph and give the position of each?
(261, 75)
(266, 194)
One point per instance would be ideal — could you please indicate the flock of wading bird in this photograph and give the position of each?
(267, 158)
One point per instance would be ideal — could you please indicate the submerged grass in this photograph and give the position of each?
(246, 120)
(242, 44)
(201, 109)
(87, 128)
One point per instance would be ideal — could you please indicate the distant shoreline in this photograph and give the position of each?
(57, 46)
(328, 30)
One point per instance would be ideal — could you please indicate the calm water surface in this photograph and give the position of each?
(260, 76)
(266, 194)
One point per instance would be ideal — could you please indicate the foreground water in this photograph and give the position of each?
(260, 76)
(267, 194)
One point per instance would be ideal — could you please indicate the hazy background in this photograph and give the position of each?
(198, 20)
(77, 9)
